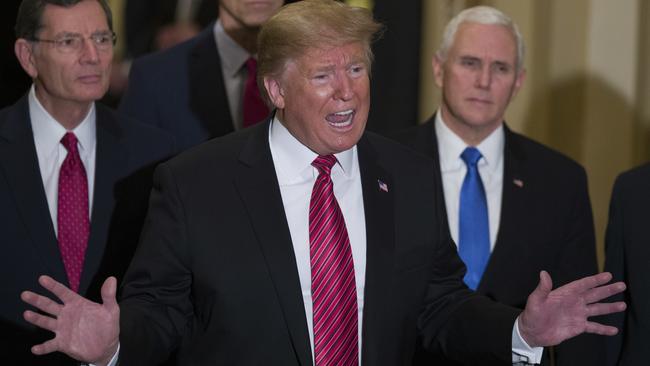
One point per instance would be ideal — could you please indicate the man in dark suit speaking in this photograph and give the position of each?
(74, 175)
(534, 210)
(306, 240)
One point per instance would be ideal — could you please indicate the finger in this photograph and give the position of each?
(45, 348)
(544, 286)
(40, 320)
(57, 288)
(589, 282)
(596, 294)
(109, 289)
(605, 308)
(596, 328)
(42, 303)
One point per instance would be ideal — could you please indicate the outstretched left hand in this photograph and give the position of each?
(553, 316)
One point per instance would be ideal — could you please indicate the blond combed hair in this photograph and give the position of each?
(310, 24)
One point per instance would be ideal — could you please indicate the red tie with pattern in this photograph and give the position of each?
(333, 286)
(73, 219)
(255, 110)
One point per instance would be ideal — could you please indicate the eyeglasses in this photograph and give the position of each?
(73, 43)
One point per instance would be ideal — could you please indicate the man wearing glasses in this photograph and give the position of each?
(74, 175)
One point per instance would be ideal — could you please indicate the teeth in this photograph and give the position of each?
(343, 113)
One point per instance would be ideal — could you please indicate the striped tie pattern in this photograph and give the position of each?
(332, 275)
(72, 212)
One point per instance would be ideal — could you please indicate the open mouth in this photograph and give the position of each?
(341, 119)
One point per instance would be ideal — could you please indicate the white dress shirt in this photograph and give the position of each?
(453, 170)
(296, 177)
(490, 168)
(51, 153)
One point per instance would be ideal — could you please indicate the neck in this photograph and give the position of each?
(471, 135)
(246, 37)
(68, 114)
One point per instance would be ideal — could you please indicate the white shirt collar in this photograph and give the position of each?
(293, 159)
(450, 146)
(48, 132)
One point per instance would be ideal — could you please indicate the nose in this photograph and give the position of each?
(89, 52)
(343, 88)
(484, 77)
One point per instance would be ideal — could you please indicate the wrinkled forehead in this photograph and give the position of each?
(84, 17)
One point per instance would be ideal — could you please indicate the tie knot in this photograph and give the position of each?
(471, 156)
(324, 163)
(251, 66)
(69, 141)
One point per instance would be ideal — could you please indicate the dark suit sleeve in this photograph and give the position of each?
(156, 308)
(577, 259)
(139, 101)
(615, 263)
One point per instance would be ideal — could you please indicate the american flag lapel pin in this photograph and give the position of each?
(518, 182)
(382, 186)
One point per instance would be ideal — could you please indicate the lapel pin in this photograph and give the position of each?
(518, 182)
(382, 186)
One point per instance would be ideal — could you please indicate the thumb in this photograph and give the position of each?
(544, 286)
(109, 290)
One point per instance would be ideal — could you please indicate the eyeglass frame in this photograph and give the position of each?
(61, 48)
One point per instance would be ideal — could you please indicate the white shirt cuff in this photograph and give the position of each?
(113, 361)
(522, 353)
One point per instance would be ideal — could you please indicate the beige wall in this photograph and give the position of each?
(585, 84)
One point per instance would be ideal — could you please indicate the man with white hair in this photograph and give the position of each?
(513, 206)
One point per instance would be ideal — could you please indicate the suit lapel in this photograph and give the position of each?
(110, 159)
(19, 163)
(513, 202)
(207, 91)
(380, 244)
(258, 187)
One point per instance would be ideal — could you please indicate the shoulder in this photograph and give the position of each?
(634, 180)
(134, 132)
(395, 155)
(174, 58)
(539, 157)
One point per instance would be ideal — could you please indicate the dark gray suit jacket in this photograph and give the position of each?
(627, 250)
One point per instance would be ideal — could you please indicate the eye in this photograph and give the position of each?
(502, 68)
(357, 70)
(68, 42)
(103, 39)
(469, 62)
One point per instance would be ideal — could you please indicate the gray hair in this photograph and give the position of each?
(481, 15)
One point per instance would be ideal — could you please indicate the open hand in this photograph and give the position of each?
(553, 316)
(84, 330)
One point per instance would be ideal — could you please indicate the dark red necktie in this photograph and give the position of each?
(72, 211)
(255, 110)
(333, 285)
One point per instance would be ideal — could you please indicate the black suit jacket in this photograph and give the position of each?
(215, 272)
(546, 224)
(181, 91)
(124, 158)
(627, 252)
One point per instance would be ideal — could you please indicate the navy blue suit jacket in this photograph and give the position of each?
(546, 224)
(126, 152)
(180, 90)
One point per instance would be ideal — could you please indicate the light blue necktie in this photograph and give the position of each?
(473, 227)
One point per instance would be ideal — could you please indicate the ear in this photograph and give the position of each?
(521, 76)
(25, 54)
(274, 91)
(437, 64)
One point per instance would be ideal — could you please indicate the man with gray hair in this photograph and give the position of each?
(306, 240)
(75, 176)
(514, 207)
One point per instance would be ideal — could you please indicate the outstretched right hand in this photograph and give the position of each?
(84, 330)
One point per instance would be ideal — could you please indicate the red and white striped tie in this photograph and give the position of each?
(332, 275)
